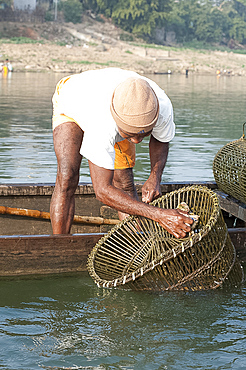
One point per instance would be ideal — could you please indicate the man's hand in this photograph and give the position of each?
(176, 222)
(151, 190)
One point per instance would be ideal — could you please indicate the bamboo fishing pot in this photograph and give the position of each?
(229, 168)
(139, 254)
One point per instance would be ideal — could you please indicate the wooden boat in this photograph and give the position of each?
(27, 246)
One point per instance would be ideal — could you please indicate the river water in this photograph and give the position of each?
(67, 322)
(208, 111)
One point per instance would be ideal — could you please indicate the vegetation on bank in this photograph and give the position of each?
(21, 40)
(213, 22)
(209, 21)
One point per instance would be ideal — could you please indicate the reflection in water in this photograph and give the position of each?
(61, 323)
(208, 111)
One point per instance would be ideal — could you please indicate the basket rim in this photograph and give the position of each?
(185, 243)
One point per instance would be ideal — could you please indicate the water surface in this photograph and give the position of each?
(69, 323)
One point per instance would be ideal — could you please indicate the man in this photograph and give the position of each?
(101, 115)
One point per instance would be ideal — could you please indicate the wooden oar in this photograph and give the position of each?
(46, 215)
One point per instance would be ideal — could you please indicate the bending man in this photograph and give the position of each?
(101, 115)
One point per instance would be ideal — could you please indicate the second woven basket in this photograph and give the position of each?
(229, 168)
(139, 254)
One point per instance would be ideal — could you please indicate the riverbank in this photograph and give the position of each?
(73, 48)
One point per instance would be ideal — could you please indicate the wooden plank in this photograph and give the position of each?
(26, 189)
(86, 188)
(39, 189)
(232, 205)
(238, 238)
(45, 254)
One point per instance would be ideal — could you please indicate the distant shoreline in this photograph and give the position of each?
(50, 57)
(73, 48)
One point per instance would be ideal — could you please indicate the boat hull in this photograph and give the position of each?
(27, 246)
(45, 254)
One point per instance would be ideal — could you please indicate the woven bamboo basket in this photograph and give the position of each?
(139, 254)
(229, 168)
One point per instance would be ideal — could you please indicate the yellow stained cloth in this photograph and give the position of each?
(124, 150)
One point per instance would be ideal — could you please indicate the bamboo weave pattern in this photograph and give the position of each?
(139, 254)
(229, 168)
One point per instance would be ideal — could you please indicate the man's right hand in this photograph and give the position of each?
(176, 222)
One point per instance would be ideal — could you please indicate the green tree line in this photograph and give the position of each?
(208, 21)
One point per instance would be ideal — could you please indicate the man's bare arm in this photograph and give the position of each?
(174, 221)
(158, 158)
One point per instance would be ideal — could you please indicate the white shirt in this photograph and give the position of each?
(86, 98)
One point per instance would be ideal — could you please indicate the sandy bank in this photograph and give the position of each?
(88, 47)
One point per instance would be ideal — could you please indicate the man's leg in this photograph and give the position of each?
(124, 180)
(67, 142)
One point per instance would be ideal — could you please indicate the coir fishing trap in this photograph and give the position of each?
(139, 254)
(229, 168)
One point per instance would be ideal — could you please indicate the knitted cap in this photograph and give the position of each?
(134, 106)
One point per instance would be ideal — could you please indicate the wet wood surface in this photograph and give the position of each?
(232, 205)
(45, 254)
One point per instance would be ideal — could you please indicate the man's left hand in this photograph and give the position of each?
(151, 190)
